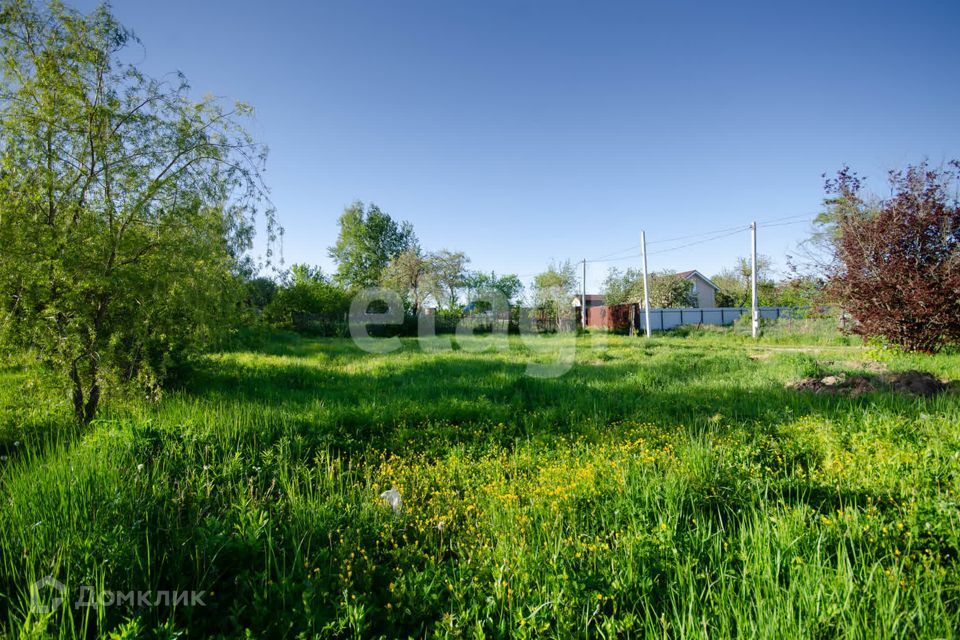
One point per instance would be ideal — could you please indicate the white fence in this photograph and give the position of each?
(664, 319)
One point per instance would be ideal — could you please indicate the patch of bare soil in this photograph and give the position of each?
(907, 382)
(840, 384)
(915, 382)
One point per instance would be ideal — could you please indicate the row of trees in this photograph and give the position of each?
(443, 278)
(374, 250)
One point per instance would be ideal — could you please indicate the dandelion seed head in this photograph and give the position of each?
(392, 497)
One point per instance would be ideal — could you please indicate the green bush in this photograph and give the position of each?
(310, 306)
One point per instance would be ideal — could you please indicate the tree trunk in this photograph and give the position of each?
(79, 409)
(84, 411)
(93, 401)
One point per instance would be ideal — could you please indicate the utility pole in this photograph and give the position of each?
(583, 299)
(646, 292)
(755, 324)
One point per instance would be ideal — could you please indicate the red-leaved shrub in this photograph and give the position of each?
(898, 260)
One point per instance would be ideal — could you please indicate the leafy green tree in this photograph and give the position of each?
(125, 206)
(508, 285)
(302, 273)
(410, 274)
(800, 291)
(260, 292)
(817, 256)
(479, 284)
(369, 239)
(450, 276)
(306, 297)
(622, 287)
(666, 289)
(735, 287)
(553, 292)
(669, 291)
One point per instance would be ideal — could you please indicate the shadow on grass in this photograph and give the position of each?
(422, 402)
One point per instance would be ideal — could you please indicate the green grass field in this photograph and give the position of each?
(670, 488)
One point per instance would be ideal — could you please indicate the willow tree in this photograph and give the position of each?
(125, 206)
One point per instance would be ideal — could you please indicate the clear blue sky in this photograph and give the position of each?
(525, 131)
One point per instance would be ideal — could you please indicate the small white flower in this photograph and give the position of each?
(440, 525)
(392, 498)
(3, 458)
(16, 443)
(140, 467)
(206, 467)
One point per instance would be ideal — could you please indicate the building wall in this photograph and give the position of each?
(706, 296)
(615, 318)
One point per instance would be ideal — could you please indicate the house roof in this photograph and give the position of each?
(686, 275)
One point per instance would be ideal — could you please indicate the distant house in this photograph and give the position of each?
(703, 289)
(593, 300)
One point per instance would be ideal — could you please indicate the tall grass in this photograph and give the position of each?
(671, 487)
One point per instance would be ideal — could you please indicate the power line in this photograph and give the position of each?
(614, 259)
(783, 224)
(607, 258)
(690, 244)
(702, 237)
(793, 217)
(715, 234)
(613, 253)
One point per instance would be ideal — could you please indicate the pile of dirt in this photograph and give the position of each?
(839, 384)
(915, 383)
